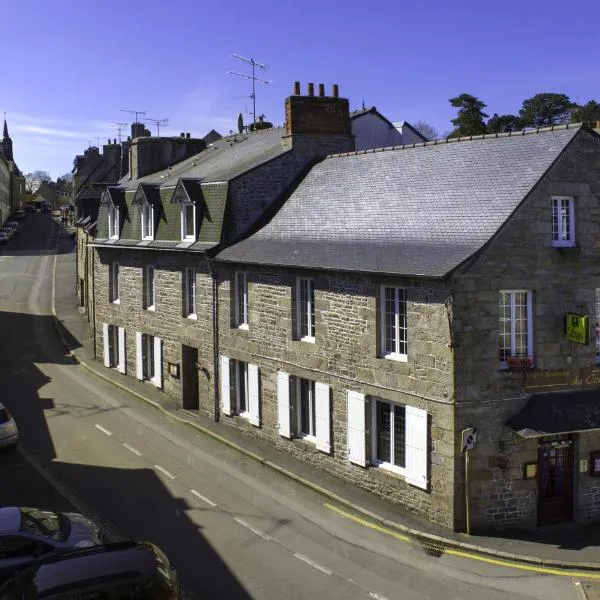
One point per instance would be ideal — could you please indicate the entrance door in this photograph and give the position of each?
(81, 293)
(189, 373)
(555, 481)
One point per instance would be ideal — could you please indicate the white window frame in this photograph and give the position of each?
(400, 340)
(375, 461)
(305, 310)
(512, 324)
(150, 288)
(241, 299)
(147, 218)
(113, 222)
(563, 235)
(190, 293)
(310, 436)
(241, 383)
(113, 283)
(184, 236)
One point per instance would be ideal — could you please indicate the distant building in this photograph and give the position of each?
(12, 182)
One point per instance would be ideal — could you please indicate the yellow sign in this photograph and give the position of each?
(578, 328)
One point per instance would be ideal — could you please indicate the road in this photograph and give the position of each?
(232, 528)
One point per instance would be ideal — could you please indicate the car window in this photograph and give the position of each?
(43, 523)
(11, 546)
(4, 418)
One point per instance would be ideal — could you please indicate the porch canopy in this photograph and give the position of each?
(557, 412)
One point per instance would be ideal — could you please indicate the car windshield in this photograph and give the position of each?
(4, 416)
(48, 524)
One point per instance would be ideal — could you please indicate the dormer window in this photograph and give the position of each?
(188, 222)
(113, 223)
(563, 222)
(147, 221)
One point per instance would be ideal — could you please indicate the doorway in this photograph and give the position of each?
(189, 374)
(555, 480)
(81, 292)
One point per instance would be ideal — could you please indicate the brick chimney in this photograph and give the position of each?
(325, 120)
(139, 130)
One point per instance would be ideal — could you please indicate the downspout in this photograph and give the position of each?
(94, 299)
(215, 328)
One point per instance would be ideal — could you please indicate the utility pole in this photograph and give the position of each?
(158, 123)
(120, 127)
(255, 65)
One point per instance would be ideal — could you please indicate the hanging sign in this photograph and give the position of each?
(578, 328)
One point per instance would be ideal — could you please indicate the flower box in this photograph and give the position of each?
(519, 362)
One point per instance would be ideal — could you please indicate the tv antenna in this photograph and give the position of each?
(159, 123)
(255, 65)
(136, 113)
(97, 143)
(120, 127)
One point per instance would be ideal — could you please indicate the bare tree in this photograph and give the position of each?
(429, 131)
(35, 179)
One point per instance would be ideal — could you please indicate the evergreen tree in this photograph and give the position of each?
(588, 114)
(546, 109)
(470, 118)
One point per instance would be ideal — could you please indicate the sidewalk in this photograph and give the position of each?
(568, 546)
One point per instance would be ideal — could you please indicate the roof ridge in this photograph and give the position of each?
(468, 138)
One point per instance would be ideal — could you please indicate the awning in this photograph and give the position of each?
(558, 412)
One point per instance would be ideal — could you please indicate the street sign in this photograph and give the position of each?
(469, 438)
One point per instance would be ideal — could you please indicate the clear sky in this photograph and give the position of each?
(70, 66)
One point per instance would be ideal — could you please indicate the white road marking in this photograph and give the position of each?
(132, 449)
(164, 471)
(106, 431)
(258, 532)
(377, 596)
(203, 498)
(313, 564)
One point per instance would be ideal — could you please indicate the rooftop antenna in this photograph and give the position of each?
(136, 113)
(90, 142)
(255, 65)
(120, 127)
(158, 123)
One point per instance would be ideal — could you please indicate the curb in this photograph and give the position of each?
(436, 542)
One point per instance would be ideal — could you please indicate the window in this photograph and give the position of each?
(240, 386)
(113, 283)
(563, 221)
(305, 408)
(190, 293)
(113, 222)
(147, 221)
(306, 310)
(240, 389)
(114, 347)
(149, 291)
(516, 337)
(241, 300)
(148, 356)
(389, 443)
(188, 222)
(394, 323)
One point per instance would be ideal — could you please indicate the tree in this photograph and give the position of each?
(504, 123)
(546, 109)
(35, 179)
(470, 115)
(64, 183)
(588, 114)
(427, 130)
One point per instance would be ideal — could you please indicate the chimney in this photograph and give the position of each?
(296, 88)
(335, 92)
(138, 130)
(187, 136)
(321, 90)
(311, 89)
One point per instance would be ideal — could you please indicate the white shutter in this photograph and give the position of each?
(106, 342)
(225, 386)
(283, 404)
(416, 429)
(356, 430)
(253, 395)
(139, 361)
(157, 379)
(322, 419)
(121, 366)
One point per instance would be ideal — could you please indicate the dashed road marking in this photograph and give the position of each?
(313, 564)
(258, 532)
(164, 471)
(132, 449)
(102, 429)
(203, 498)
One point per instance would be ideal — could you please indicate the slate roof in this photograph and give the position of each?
(223, 160)
(415, 210)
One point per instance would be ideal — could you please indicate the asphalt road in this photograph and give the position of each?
(232, 528)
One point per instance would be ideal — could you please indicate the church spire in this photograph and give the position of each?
(5, 130)
(6, 147)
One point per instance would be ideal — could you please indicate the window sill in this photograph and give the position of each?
(117, 301)
(308, 339)
(396, 357)
(243, 327)
(151, 308)
(389, 468)
(113, 237)
(189, 240)
(192, 317)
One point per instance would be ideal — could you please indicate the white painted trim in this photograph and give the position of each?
(106, 343)
(283, 404)
(225, 386)
(323, 417)
(157, 379)
(253, 399)
(121, 365)
(356, 428)
(571, 242)
(139, 362)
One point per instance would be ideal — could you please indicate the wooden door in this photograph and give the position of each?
(189, 373)
(555, 481)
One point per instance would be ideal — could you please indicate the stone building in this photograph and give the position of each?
(360, 310)
(12, 182)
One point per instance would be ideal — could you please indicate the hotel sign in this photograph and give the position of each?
(581, 379)
(578, 328)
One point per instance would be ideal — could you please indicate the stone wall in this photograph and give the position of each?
(561, 280)
(5, 190)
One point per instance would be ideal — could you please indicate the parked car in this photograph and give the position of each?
(8, 230)
(29, 533)
(13, 225)
(122, 570)
(9, 434)
(4, 237)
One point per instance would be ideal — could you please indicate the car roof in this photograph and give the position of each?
(10, 518)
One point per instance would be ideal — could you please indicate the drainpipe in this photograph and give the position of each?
(94, 300)
(215, 328)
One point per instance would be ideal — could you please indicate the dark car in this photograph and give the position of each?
(132, 570)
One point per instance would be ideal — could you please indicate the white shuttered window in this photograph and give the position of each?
(225, 386)
(356, 428)
(283, 404)
(322, 417)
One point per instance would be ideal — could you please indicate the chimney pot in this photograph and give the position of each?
(336, 91)
(296, 88)
(321, 90)
(311, 89)
(182, 134)
(187, 135)
(114, 140)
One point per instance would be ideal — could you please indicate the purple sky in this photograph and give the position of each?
(70, 66)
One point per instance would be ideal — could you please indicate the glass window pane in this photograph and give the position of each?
(383, 431)
(304, 407)
(189, 220)
(399, 436)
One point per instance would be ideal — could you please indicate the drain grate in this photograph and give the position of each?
(435, 550)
